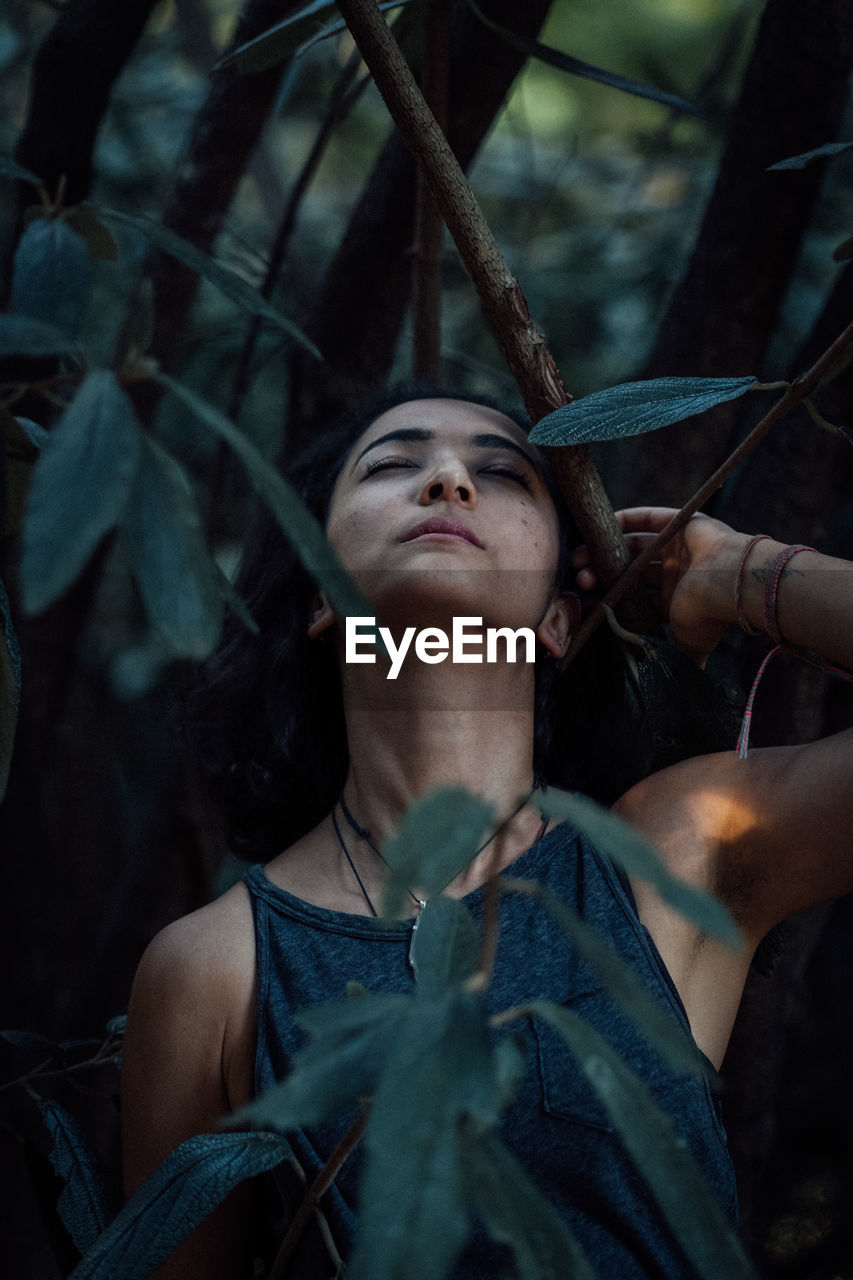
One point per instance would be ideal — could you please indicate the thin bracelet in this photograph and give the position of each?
(771, 590)
(743, 621)
(771, 623)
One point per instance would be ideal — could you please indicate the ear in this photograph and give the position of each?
(322, 616)
(559, 623)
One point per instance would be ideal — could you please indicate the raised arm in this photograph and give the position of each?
(771, 833)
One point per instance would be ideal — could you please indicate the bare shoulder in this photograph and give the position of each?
(208, 947)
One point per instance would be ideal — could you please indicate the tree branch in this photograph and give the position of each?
(426, 336)
(362, 300)
(318, 1188)
(503, 302)
(795, 394)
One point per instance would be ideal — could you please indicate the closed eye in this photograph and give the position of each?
(386, 464)
(503, 469)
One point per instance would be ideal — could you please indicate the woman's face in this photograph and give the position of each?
(441, 508)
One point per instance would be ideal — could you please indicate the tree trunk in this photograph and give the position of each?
(792, 99)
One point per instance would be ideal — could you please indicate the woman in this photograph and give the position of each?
(440, 508)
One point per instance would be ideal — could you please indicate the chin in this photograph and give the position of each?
(433, 597)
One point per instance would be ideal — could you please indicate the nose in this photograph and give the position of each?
(449, 481)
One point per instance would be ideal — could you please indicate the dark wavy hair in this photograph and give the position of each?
(264, 714)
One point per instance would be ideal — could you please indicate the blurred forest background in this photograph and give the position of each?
(648, 240)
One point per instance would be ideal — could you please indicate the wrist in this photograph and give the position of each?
(758, 555)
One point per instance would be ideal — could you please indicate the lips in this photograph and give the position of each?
(439, 524)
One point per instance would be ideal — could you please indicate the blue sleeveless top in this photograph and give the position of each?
(555, 1124)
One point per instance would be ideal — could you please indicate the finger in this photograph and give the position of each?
(649, 518)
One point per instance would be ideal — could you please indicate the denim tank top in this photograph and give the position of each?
(555, 1124)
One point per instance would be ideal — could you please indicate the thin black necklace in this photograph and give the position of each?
(364, 832)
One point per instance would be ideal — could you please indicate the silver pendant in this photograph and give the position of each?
(421, 905)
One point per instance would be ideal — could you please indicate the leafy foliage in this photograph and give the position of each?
(515, 1213)
(52, 275)
(809, 157)
(634, 408)
(83, 1205)
(438, 1074)
(342, 1063)
(178, 579)
(621, 842)
(305, 533)
(21, 335)
(80, 488)
(577, 67)
(231, 284)
(620, 982)
(445, 946)
(434, 843)
(656, 1147)
(180, 1194)
(291, 35)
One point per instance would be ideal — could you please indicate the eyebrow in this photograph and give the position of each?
(484, 440)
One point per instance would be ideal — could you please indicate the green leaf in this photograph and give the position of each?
(52, 275)
(657, 1148)
(98, 237)
(565, 62)
(634, 408)
(659, 1027)
(25, 437)
(413, 1213)
(808, 157)
(23, 336)
(234, 600)
(436, 840)
(843, 251)
(10, 169)
(515, 1212)
(80, 487)
(179, 581)
(83, 1204)
(226, 280)
(117, 1025)
(32, 1040)
(625, 846)
(335, 28)
(348, 1050)
(180, 1194)
(445, 946)
(10, 687)
(305, 533)
(277, 43)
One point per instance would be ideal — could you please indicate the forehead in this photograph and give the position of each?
(444, 418)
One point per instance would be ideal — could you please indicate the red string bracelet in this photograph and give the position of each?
(771, 626)
(743, 621)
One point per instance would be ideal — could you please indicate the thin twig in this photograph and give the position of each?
(426, 335)
(796, 393)
(315, 1191)
(38, 1073)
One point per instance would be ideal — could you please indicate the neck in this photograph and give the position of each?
(440, 726)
